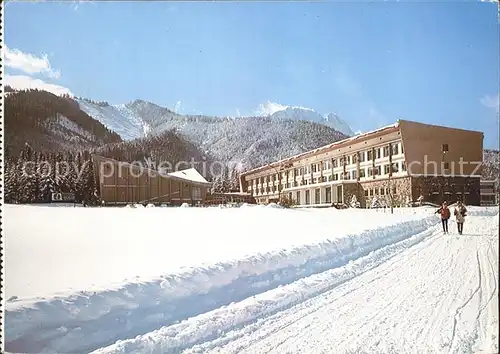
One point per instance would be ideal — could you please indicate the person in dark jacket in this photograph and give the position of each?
(460, 212)
(444, 211)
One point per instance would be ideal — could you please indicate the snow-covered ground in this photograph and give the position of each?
(252, 279)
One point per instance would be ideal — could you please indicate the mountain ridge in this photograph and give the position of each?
(243, 142)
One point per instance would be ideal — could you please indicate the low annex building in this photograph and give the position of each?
(123, 183)
(489, 193)
(397, 164)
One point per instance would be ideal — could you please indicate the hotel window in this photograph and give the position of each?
(362, 156)
(376, 191)
(395, 167)
(297, 197)
(369, 155)
(386, 169)
(348, 160)
(347, 176)
(376, 171)
(386, 151)
(317, 196)
(377, 153)
(382, 191)
(314, 168)
(366, 192)
(328, 194)
(326, 165)
(362, 173)
(444, 148)
(354, 158)
(395, 149)
(371, 192)
(446, 165)
(354, 175)
(336, 177)
(341, 161)
(307, 197)
(403, 166)
(330, 178)
(335, 163)
(402, 150)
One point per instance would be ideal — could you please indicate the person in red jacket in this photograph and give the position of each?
(445, 213)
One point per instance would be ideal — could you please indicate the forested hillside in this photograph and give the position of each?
(49, 123)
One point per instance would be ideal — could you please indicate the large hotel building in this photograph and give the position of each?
(402, 163)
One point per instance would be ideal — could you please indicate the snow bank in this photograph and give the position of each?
(116, 273)
(274, 206)
(217, 325)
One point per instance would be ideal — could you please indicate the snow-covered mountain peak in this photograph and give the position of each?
(283, 112)
(339, 124)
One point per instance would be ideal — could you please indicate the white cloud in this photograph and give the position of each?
(238, 114)
(23, 82)
(76, 3)
(493, 1)
(491, 102)
(177, 107)
(29, 63)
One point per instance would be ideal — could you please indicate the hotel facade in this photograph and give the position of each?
(395, 165)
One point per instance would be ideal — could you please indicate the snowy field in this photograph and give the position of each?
(251, 279)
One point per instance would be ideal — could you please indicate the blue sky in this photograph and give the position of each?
(372, 63)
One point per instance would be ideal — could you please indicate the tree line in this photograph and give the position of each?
(33, 176)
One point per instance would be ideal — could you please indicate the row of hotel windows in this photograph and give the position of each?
(368, 155)
(349, 160)
(349, 175)
(328, 195)
(379, 191)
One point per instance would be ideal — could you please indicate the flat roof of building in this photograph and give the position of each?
(359, 137)
(333, 145)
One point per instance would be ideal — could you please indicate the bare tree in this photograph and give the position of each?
(279, 169)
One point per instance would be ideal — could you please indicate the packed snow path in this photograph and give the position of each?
(432, 293)
(391, 283)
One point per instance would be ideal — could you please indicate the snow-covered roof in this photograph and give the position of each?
(323, 148)
(190, 174)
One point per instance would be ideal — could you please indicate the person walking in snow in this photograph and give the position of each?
(460, 212)
(444, 211)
